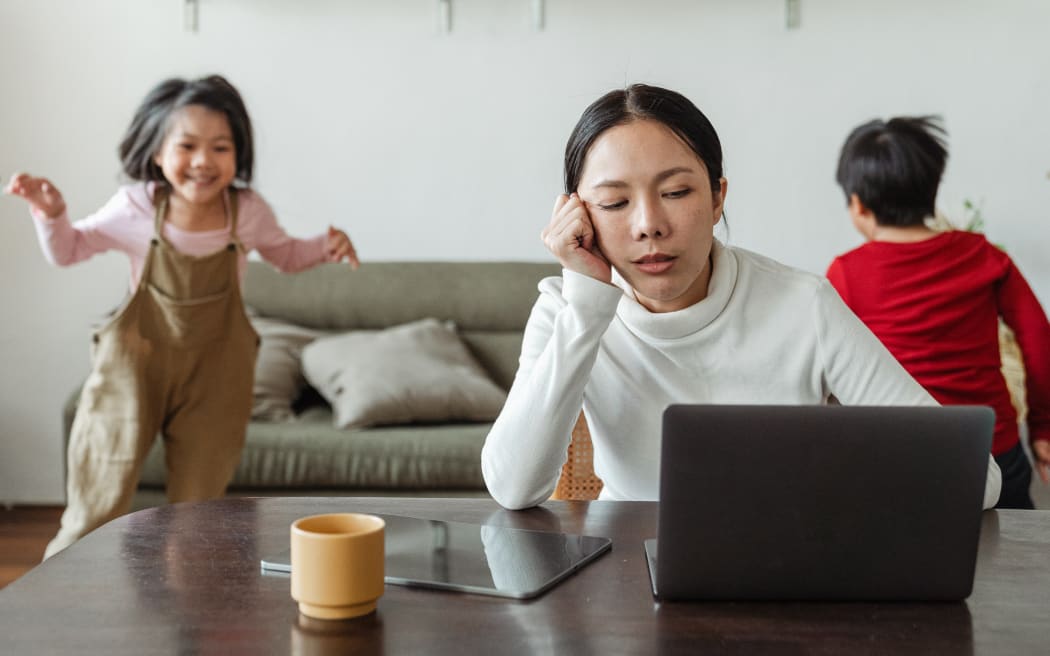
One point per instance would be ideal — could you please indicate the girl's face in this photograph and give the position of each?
(653, 210)
(198, 157)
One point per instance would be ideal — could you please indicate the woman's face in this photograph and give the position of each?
(650, 200)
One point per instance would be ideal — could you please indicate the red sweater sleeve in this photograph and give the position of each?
(1021, 311)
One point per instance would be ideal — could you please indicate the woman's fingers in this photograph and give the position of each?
(568, 216)
(571, 237)
(559, 203)
(566, 223)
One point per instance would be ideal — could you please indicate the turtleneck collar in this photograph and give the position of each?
(685, 322)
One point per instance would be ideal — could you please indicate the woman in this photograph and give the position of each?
(651, 310)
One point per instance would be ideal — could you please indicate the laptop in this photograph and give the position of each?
(819, 502)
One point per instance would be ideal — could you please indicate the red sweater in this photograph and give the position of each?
(935, 304)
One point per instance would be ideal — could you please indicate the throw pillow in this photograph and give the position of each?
(278, 367)
(416, 372)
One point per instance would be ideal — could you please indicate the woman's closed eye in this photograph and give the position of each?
(611, 206)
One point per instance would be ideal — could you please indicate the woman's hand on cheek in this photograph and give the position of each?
(571, 237)
(339, 247)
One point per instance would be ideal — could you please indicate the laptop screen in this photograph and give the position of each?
(821, 502)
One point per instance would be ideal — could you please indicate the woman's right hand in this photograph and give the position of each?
(39, 193)
(571, 237)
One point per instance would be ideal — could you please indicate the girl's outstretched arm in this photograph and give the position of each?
(41, 195)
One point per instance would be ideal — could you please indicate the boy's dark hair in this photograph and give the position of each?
(895, 167)
(641, 101)
(149, 126)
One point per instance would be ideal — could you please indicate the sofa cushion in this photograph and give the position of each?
(418, 372)
(278, 368)
(497, 351)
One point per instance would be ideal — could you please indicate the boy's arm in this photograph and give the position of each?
(1022, 312)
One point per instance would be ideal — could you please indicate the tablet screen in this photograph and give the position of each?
(478, 558)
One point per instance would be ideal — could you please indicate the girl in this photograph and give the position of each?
(178, 357)
(651, 310)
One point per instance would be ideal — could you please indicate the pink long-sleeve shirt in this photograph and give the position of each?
(125, 223)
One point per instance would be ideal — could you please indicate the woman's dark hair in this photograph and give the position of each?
(895, 167)
(149, 126)
(637, 102)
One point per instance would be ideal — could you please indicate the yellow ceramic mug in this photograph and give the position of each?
(337, 565)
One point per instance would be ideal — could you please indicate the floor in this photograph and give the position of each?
(24, 533)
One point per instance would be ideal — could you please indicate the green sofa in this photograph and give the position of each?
(489, 302)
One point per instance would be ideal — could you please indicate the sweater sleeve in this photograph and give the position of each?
(1021, 311)
(286, 253)
(859, 370)
(110, 228)
(525, 449)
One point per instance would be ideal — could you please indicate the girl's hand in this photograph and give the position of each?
(339, 247)
(571, 237)
(39, 193)
(1041, 451)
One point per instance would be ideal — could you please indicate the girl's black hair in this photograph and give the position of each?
(149, 126)
(642, 101)
(895, 167)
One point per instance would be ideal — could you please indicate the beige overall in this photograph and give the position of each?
(177, 359)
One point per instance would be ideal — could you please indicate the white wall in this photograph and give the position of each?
(426, 145)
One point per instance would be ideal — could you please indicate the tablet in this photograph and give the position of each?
(476, 558)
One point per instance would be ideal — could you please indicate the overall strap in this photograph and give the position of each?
(231, 209)
(160, 201)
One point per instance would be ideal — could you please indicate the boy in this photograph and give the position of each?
(935, 298)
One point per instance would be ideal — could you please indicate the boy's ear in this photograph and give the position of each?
(862, 216)
(858, 209)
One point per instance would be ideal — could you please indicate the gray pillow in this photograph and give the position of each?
(417, 372)
(278, 367)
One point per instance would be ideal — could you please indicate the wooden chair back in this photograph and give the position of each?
(578, 482)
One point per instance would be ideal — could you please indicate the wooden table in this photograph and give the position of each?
(185, 579)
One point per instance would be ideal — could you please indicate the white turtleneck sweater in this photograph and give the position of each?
(765, 334)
